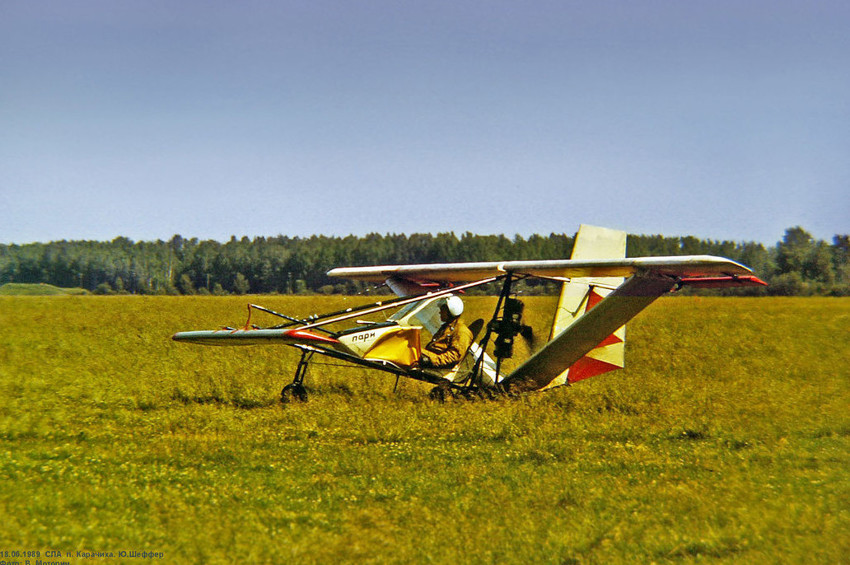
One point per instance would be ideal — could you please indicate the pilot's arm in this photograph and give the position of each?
(448, 346)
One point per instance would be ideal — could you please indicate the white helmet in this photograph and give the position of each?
(455, 305)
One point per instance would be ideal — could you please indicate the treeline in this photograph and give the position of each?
(797, 265)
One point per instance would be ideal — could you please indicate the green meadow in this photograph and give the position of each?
(725, 440)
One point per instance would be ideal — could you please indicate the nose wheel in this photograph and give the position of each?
(295, 390)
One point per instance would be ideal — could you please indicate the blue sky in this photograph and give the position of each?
(721, 119)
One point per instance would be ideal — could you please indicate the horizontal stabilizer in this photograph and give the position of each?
(587, 332)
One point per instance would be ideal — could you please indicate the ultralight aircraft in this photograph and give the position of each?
(601, 290)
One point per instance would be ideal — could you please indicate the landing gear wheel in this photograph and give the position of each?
(293, 391)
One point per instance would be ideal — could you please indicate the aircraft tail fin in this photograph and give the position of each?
(579, 295)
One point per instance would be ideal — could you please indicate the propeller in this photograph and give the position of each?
(527, 334)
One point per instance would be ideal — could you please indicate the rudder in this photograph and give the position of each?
(581, 294)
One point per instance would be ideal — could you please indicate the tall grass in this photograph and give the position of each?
(726, 440)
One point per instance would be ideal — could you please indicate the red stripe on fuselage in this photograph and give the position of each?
(310, 336)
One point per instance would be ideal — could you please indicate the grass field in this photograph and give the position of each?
(725, 440)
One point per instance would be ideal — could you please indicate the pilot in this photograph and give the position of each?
(449, 344)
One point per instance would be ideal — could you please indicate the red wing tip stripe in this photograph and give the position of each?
(714, 282)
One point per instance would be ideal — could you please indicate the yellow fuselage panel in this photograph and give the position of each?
(400, 347)
(398, 344)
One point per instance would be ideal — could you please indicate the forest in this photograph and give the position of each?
(798, 265)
